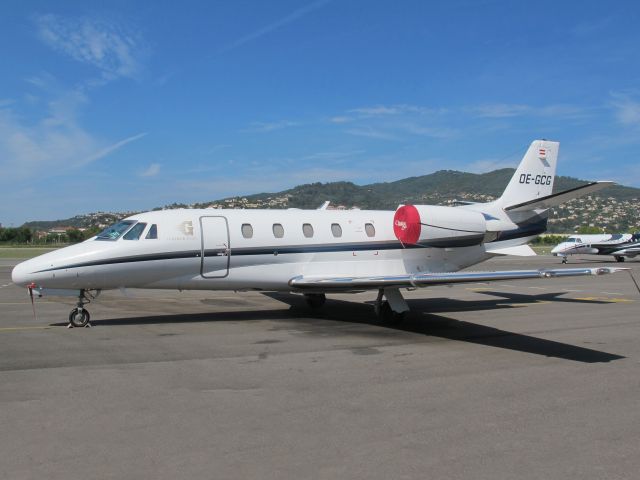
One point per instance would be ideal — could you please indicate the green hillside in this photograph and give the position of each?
(614, 209)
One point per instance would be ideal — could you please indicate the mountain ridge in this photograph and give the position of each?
(614, 207)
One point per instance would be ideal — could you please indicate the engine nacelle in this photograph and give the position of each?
(436, 226)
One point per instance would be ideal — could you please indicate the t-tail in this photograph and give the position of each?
(531, 187)
(534, 176)
(521, 212)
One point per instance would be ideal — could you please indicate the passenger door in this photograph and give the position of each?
(216, 248)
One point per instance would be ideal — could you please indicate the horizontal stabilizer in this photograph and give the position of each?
(558, 198)
(346, 284)
(517, 250)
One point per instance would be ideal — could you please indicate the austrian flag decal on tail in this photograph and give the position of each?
(542, 154)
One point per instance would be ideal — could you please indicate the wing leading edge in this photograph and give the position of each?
(429, 279)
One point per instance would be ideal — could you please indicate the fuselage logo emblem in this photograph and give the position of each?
(187, 227)
(401, 224)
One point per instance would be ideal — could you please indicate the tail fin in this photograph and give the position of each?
(535, 174)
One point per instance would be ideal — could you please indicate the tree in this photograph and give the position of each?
(74, 235)
(586, 230)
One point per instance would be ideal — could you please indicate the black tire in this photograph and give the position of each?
(79, 319)
(315, 300)
(619, 259)
(387, 315)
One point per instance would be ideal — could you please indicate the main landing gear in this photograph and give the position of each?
(618, 258)
(79, 316)
(564, 259)
(393, 309)
(315, 300)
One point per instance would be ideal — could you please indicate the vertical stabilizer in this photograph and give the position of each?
(534, 176)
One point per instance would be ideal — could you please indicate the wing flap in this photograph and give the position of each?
(429, 279)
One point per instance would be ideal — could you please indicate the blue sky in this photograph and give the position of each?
(131, 105)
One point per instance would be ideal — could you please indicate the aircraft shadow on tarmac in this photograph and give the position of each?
(420, 321)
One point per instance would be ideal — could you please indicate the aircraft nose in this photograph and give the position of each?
(21, 274)
(556, 249)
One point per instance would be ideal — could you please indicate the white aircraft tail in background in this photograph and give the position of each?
(313, 252)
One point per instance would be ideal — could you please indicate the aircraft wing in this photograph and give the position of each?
(631, 250)
(560, 197)
(427, 279)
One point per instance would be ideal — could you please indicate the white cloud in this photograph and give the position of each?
(340, 119)
(487, 165)
(425, 130)
(113, 147)
(626, 109)
(108, 47)
(370, 132)
(509, 110)
(151, 171)
(499, 110)
(55, 142)
(292, 17)
(397, 109)
(376, 110)
(270, 126)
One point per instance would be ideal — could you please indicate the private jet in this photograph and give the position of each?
(620, 245)
(313, 252)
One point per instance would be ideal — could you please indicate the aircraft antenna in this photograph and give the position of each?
(30, 288)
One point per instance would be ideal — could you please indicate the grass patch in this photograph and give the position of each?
(23, 252)
(542, 249)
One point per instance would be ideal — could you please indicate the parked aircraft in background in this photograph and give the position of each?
(619, 245)
(313, 252)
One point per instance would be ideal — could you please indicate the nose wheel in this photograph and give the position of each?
(79, 316)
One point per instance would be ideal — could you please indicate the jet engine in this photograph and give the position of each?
(436, 226)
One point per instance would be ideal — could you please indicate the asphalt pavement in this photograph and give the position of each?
(520, 379)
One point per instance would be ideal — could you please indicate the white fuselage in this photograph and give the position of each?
(590, 244)
(214, 249)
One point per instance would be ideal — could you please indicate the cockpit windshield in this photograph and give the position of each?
(135, 232)
(114, 232)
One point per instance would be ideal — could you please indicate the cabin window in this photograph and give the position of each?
(307, 230)
(336, 230)
(135, 232)
(152, 234)
(114, 232)
(278, 230)
(370, 229)
(247, 230)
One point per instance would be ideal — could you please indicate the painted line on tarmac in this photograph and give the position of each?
(606, 299)
(16, 329)
(15, 303)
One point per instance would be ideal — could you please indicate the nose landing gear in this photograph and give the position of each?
(79, 316)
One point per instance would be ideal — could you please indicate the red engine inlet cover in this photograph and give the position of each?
(406, 224)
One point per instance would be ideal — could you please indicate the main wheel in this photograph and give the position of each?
(79, 318)
(387, 315)
(619, 259)
(315, 300)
